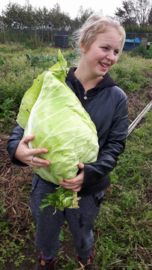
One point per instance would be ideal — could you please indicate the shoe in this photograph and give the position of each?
(87, 264)
(44, 264)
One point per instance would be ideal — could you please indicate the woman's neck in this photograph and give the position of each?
(87, 80)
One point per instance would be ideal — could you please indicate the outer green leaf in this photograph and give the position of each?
(59, 71)
(29, 100)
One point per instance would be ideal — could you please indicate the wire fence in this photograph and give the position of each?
(47, 35)
(144, 37)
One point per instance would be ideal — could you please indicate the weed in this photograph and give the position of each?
(2, 62)
(5, 108)
(40, 59)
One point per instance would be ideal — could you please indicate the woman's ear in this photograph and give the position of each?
(83, 49)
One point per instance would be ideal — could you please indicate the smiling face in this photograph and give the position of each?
(103, 53)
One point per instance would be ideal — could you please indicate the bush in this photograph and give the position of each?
(142, 51)
(34, 43)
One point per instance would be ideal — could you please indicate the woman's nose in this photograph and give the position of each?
(111, 55)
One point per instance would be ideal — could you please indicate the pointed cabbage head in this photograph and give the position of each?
(53, 114)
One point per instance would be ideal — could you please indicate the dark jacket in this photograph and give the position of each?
(107, 106)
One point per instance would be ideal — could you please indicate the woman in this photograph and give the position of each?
(100, 41)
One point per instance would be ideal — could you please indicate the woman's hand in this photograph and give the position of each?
(27, 156)
(76, 183)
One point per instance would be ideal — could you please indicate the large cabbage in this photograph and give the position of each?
(53, 114)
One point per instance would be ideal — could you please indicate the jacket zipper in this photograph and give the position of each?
(85, 99)
(85, 95)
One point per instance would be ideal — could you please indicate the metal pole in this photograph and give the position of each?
(139, 117)
(4, 33)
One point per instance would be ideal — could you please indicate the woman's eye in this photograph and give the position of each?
(105, 48)
(116, 52)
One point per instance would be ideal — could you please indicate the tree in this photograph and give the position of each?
(19, 17)
(134, 12)
(59, 19)
(82, 16)
(42, 17)
(16, 16)
(29, 17)
(125, 14)
(150, 17)
(13, 16)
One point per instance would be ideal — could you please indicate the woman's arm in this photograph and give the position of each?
(114, 146)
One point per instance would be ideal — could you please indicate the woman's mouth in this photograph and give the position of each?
(103, 66)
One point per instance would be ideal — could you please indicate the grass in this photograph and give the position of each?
(132, 72)
(123, 229)
(125, 221)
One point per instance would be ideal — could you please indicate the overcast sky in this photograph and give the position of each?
(108, 7)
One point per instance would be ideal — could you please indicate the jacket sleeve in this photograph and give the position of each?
(112, 148)
(15, 138)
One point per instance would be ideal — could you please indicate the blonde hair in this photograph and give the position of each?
(95, 25)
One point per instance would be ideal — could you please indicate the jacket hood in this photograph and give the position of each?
(107, 81)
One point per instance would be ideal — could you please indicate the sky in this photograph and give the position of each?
(108, 7)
